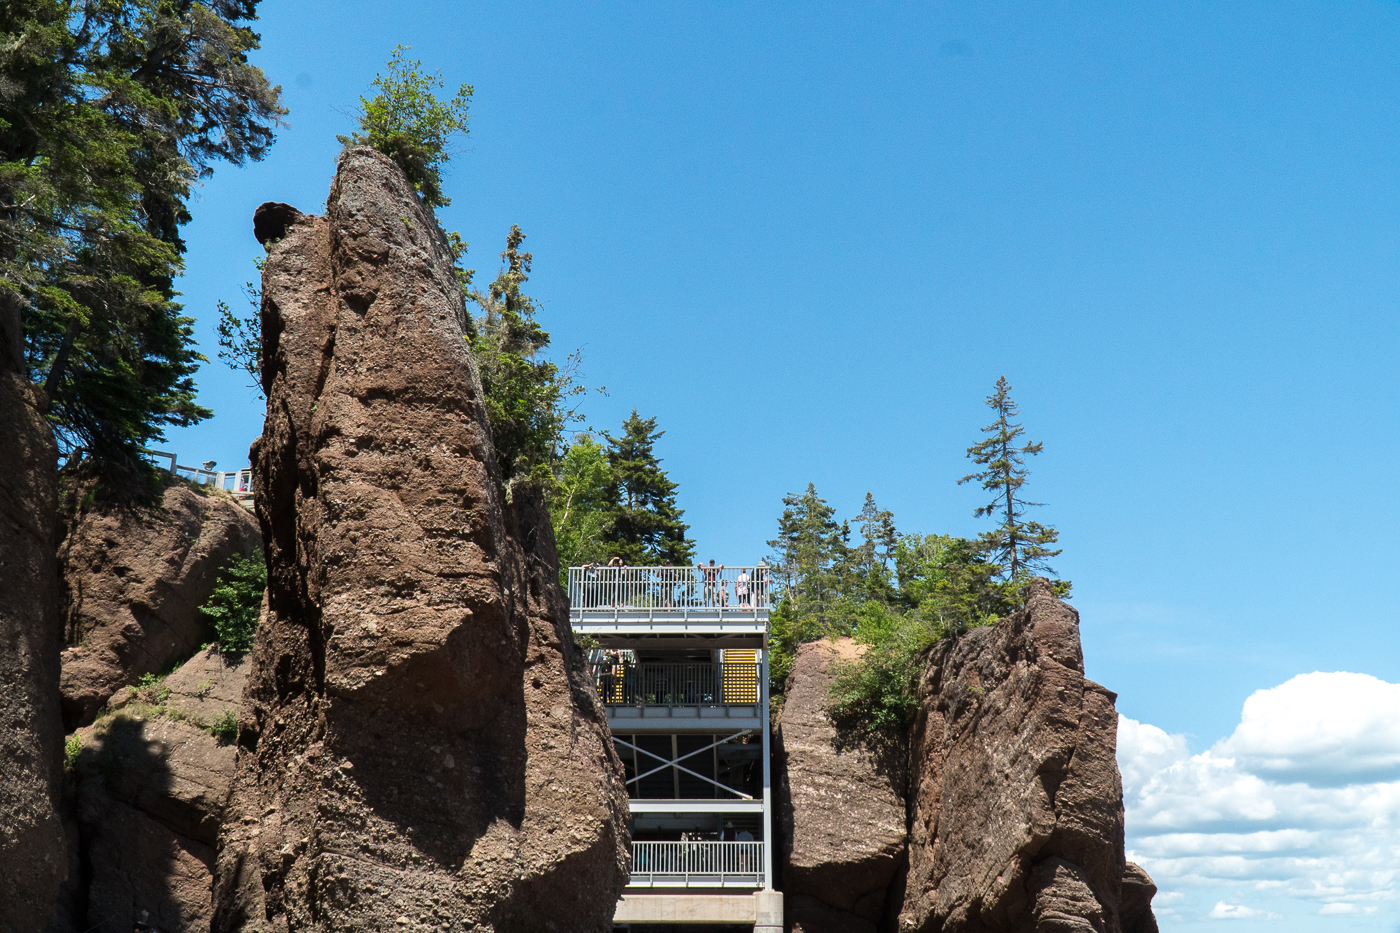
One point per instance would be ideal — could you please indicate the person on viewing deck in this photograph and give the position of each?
(711, 575)
(741, 588)
(615, 584)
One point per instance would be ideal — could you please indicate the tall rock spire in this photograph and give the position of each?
(417, 750)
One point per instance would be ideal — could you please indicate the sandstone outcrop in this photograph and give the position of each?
(841, 808)
(417, 750)
(1135, 909)
(134, 579)
(150, 785)
(1016, 810)
(32, 863)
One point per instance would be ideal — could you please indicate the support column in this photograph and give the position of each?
(769, 914)
(767, 779)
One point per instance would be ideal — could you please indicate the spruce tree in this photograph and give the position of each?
(644, 527)
(1017, 546)
(810, 554)
(109, 114)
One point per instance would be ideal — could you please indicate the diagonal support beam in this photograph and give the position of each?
(673, 763)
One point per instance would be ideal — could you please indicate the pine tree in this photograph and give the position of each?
(870, 560)
(645, 527)
(110, 112)
(810, 554)
(1017, 546)
(527, 395)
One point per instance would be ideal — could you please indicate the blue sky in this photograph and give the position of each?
(809, 237)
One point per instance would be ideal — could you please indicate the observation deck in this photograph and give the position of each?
(679, 658)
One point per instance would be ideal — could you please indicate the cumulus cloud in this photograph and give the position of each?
(1302, 801)
(1323, 729)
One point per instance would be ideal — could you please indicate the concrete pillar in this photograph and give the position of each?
(769, 915)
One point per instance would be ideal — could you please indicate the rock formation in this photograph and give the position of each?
(32, 863)
(134, 579)
(841, 809)
(417, 750)
(1016, 811)
(1135, 909)
(150, 782)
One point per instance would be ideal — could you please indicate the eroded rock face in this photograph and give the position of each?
(151, 782)
(841, 808)
(32, 860)
(417, 751)
(134, 580)
(1016, 814)
(1135, 909)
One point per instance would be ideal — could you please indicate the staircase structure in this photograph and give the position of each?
(679, 656)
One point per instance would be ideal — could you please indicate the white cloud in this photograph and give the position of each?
(1323, 729)
(1302, 801)
(1224, 911)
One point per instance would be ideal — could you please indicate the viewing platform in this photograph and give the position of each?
(679, 658)
(677, 601)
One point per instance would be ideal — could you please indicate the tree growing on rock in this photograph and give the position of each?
(410, 124)
(1017, 545)
(110, 111)
(528, 397)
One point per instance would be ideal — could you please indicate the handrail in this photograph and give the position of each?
(625, 683)
(594, 587)
(242, 479)
(697, 864)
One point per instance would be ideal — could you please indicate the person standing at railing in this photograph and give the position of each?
(760, 585)
(741, 587)
(589, 595)
(616, 571)
(711, 575)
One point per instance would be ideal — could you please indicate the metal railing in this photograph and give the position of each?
(621, 683)
(239, 483)
(642, 588)
(697, 864)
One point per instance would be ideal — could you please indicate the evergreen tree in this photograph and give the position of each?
(109, 112)
(526, 394)
(1017, 546)
(809, 555)
(645, 527)
(871, 559)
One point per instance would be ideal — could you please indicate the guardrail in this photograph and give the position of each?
(594, 587)
(238, 483)
(621, 683)
(697, 864)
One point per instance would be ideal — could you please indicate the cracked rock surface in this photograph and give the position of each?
(1016, 806)
(417, 750)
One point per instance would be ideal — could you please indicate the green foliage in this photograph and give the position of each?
(240, 338)
(71, 749)
(236, 604)
(644, 525)
(109, 112)
(1017, 546)
(408, 123)
(896, 594)
(579, 506)
(225, 726)
(527, 396)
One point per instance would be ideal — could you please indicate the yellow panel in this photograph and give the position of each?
(740, 675)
